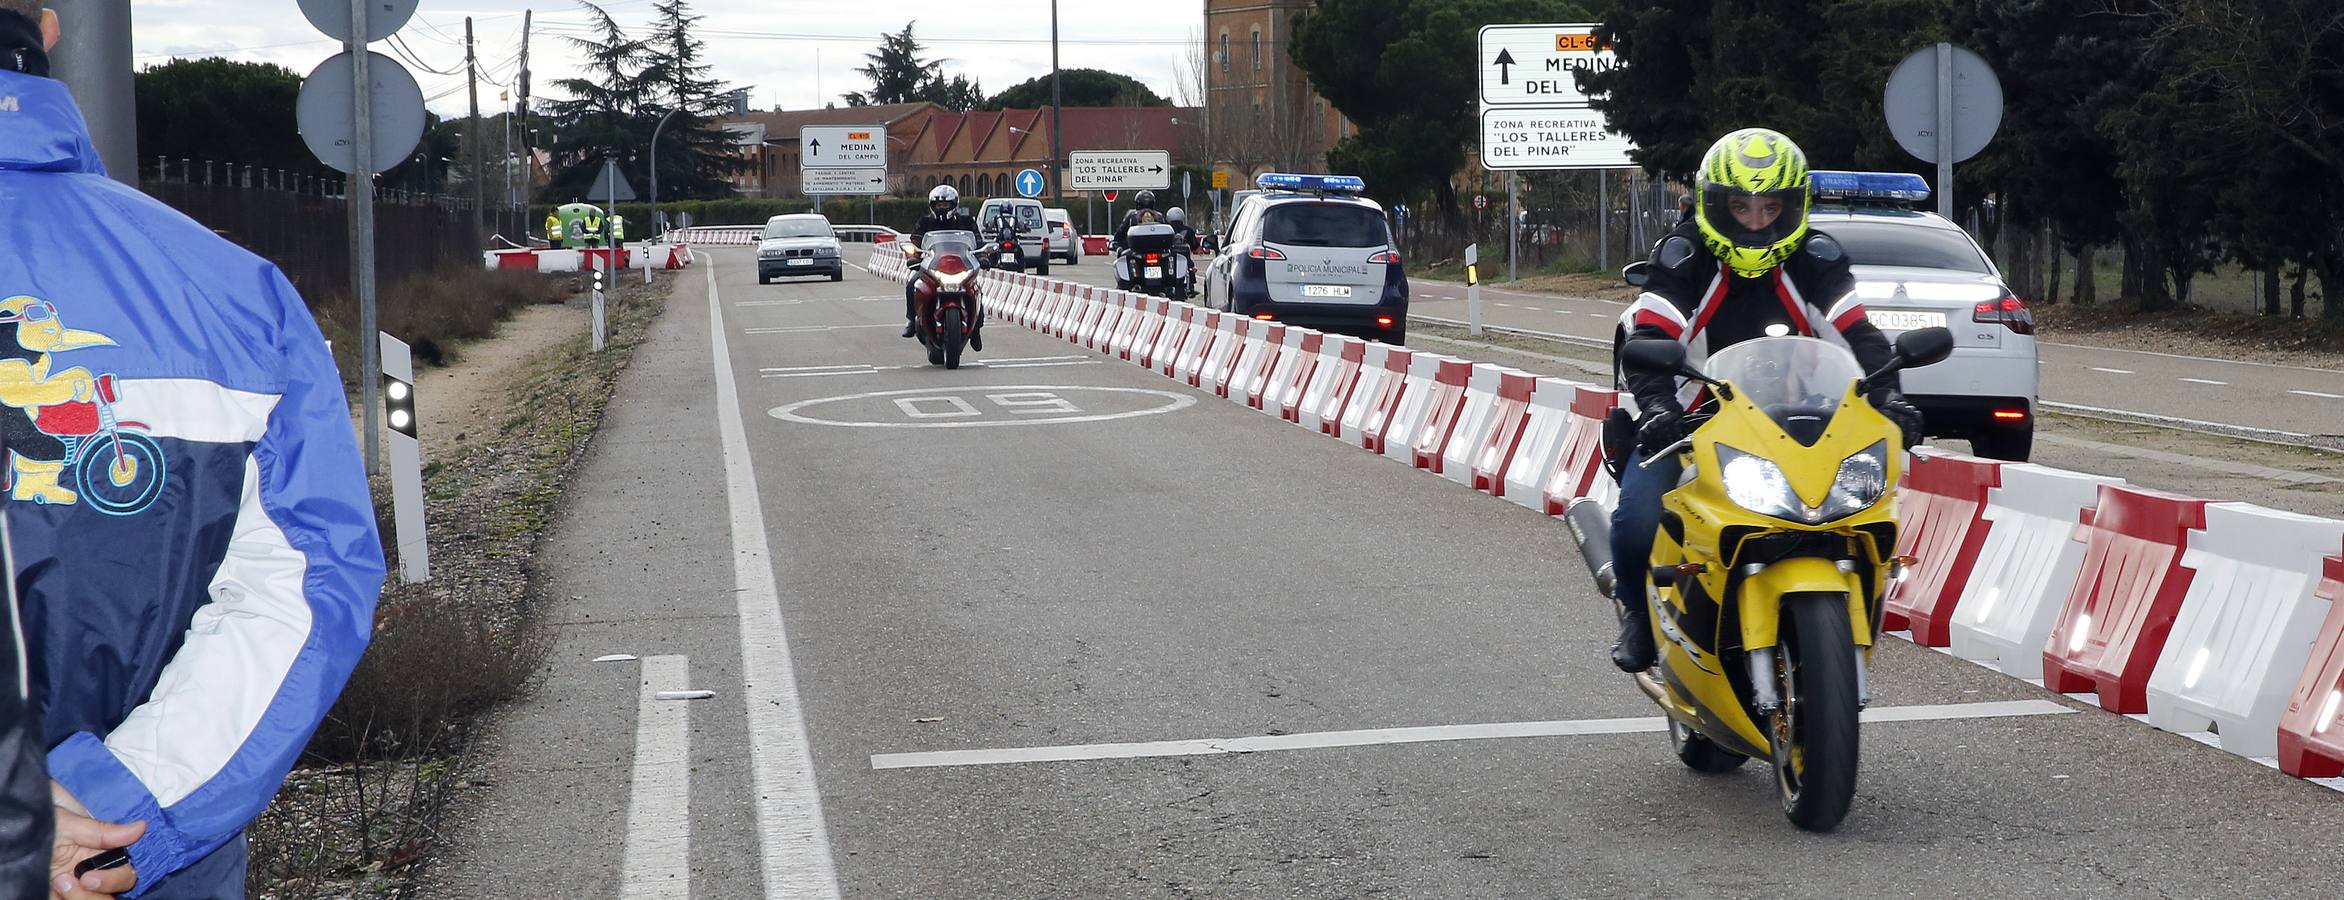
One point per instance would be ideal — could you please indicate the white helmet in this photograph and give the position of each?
(1176, 215)
(945, 195)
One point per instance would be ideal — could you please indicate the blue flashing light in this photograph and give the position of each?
(1903, 186)
(1280, 181)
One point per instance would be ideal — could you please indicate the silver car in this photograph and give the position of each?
(1064, 243)
(801, 244)
(1309, 250)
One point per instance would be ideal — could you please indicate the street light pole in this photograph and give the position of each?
(1057, 184)
(655, 130)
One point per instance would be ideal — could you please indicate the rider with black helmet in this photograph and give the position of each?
(944, 214)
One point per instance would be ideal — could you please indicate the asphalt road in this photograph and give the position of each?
(958, 571)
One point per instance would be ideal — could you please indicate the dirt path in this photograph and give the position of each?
(465, 394)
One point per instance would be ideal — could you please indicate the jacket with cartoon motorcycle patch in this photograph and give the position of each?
(195, 546)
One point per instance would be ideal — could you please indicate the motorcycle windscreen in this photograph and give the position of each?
(1797, 381)
(1328, 248)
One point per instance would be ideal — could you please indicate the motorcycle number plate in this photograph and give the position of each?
(1326, 290)
(1155, 272)
(801, 262)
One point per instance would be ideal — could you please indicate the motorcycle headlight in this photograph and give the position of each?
(953, 282)
(1756, 484)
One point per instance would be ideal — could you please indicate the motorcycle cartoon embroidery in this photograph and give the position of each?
(60, 426)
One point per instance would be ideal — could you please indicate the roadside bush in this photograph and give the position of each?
(435, 311)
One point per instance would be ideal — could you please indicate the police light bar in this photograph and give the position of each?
(1278, 181)
(1869, 186)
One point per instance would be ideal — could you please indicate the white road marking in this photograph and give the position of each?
(815, 329)
(792, 412)
(2205, 359)
(2081, 409)
(2321, 395)
(1038, 365)
(2224, 466)
(2204, 381)
(659, 805)
(1506, 305)
(793, 841)
(2111, 371)
(1372, 737)
(1534, 308)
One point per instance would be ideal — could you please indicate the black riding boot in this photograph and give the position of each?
(1634, 652)
(911, 313)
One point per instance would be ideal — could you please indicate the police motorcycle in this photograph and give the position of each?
(1155, 261)
(1000, 250)
(945, 288)
(1773, 556)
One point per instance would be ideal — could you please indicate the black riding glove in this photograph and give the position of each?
(1663, 424)
(1907, 417)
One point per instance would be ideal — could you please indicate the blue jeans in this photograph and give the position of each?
(1635, 520)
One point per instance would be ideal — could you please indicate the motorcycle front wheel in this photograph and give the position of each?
(954, 337)
(1815, 731)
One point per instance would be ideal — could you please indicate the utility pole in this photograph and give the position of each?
(1057, 183)
(362, 232)
(472, 165)
(93, 60)
(522, 93)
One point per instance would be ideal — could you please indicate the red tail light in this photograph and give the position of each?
(1264, 316)
(1385, 321)
(1386, 256)
(2008, 312)
(1266, 253)
(2010, 415)
(1154, 258)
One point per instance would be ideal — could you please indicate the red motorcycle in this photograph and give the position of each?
(944, 286)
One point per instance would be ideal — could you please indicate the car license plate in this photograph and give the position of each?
(1155, 272)
(1326, 290)
(801, 262)
(1904, 319)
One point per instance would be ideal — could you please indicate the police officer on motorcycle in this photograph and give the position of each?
(944, 214)
(1143, 212)
(1745, 265)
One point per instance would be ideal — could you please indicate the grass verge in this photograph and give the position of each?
(366, 801)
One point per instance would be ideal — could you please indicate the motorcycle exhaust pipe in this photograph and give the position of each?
(1591, 528)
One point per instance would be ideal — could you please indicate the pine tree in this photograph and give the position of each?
(897, 73)
(694, 151)
(603, 116)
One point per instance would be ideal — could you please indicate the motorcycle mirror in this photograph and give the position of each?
(1636, 273)
(1653, 356)
(1924, 346)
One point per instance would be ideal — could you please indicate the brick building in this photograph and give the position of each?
(1262, 113)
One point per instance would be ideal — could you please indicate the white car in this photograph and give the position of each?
(1914, 269)
(1064, 243)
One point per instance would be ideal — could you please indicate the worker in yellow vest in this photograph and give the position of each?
(553, 229)
(591, 229)
(618, 229)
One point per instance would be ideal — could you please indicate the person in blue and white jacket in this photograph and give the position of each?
(195, 544)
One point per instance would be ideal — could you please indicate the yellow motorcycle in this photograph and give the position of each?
(1772, 557)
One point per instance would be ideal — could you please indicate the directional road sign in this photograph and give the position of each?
(1533, 114)
(841, 182)
(1029, 183)
(1129, 170)
(842, 147)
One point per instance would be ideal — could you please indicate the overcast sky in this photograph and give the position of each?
(769, 46)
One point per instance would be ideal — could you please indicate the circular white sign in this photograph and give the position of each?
(383, 17)
(984, 406)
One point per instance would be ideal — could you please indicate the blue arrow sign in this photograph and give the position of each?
(1029, 183)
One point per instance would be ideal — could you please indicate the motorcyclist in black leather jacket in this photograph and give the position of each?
(944, 214)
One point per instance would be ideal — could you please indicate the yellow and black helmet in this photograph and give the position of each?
(1753, 163)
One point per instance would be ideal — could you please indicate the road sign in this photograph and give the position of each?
(1129, 170)
(1481, 201)
(1535, 65)
(1110, 196)
(841, 182)
(842, 147)
(611, 185)
(1561, 138)
(1911, 104)
(383, 17)
(1943, 104)
(1220, 179)
(1533, 114)
(1029, 182)
(327, 113)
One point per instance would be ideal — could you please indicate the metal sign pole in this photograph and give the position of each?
(370, 374)
(1945, 130)
(1513, 223)
(1602, 219)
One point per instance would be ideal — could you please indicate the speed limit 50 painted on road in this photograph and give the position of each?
(982, 406)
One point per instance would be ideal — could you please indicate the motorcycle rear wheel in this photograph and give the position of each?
(954, 336)
(1699, 754)
(1815, 733)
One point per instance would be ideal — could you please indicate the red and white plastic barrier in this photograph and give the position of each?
(1221, 357)
(2310, 743)
(2125, 597)
(1296, 362)
(1166, 353)
(1391, 390)
(1444, 412)
(1542, 442)
(1941, 511)
(1259, 350)
(1478, 458)
(1195, 354)
(1342, 360)
(1416, 405)
(1367, 394)
(1578, 469)
(2246, 627)
(2025, 568)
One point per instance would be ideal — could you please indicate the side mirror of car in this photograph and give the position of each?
(1636, 273)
